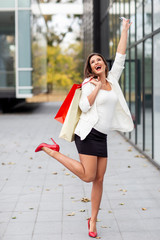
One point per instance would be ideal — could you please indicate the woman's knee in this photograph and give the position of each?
(99, 179)
(89, 178)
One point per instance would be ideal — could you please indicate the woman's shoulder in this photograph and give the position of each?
(86, 80)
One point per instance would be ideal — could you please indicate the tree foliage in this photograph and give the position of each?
(39, 67)
(64, 69)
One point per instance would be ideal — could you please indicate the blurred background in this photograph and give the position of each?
(44, 44)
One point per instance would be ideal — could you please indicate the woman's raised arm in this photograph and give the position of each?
(124, 35)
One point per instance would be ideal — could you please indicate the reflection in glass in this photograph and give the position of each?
(38, 54)
(111, 31)
(25, 91)
(132, 18)
(126, 81)
(139, 116)
(156, 98)
(132, 97)
(22, 3)
(122, 81)
(147, 16)
(24, 39)
(148, 96)
(127, 78)
(25, 78)
(7, 3)
(7, 49)
(114, 28)
(156, 13)
(139, 8)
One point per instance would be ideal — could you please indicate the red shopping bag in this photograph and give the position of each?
(62, 112)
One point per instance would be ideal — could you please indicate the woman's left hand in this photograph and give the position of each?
(126, 24)
(96, 82)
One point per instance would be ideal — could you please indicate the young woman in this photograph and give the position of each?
(103, 108)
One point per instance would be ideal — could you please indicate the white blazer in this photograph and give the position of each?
(122, 120)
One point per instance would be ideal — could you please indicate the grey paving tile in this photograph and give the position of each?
(7, 206)
(107, 225)
(155, 235)
(5, 217)
(23, 217)
(50, 206)
(78, 227)
(131, 225)
(75, 236)
(105, 233)
(3, 227)
(105, 215)
(49, 216)
(47, 228)
(26, 206)
(19, 228)
(49, 196)
(77, 216)
(146, 203)
(17, 237)
(47, 237)
(138, 235)
(152, 224)
(129, 213)
(119, 203)
(149, 213)
(11, 190)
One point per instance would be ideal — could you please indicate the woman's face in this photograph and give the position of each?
(97, 65)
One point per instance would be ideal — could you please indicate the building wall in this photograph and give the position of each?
(22, 42)
(88, 27)
(140, 82)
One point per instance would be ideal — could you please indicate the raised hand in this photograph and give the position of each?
(126, 24)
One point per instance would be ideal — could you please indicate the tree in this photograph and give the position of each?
(64, 69)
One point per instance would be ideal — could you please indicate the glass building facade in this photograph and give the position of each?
(139, 81)
(22, 49)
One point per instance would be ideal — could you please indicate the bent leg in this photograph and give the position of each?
(97, 189)
(85, 169)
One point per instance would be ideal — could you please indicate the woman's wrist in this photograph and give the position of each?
(124, 31)
(99, 85)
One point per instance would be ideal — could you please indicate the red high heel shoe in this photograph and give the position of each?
(91, 234)
(54, 147)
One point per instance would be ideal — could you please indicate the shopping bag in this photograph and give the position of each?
(72, 118)
(62, 112)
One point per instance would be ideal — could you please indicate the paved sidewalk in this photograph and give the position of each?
(37, 194)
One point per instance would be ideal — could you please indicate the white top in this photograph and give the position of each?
(122, 120)
(106, 104)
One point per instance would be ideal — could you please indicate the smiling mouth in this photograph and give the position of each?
(98, 68)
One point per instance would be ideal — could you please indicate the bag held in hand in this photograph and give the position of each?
(62, 112)
(69, 112)
(72, 118)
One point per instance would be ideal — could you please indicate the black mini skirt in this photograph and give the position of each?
(94, 144)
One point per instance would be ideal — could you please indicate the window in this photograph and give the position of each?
(156, 98)
(148, 95)
(139, 115)
(7, 49)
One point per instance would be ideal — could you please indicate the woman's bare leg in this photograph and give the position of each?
(97, 190)
(85, 169)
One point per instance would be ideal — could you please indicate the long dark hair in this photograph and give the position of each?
(87, 67)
